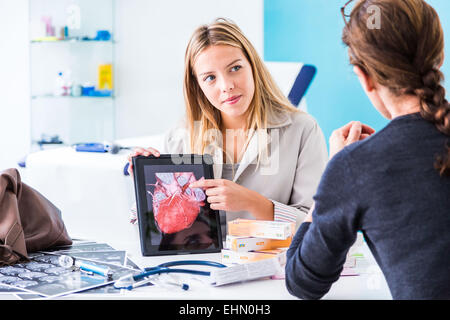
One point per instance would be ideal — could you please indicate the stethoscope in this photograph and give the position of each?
(131, 281)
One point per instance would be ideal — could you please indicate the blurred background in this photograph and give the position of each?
(311, 31)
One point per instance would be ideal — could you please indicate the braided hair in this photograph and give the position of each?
(436, 109)
(406, 59)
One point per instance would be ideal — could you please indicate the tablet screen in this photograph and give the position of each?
(174, 218)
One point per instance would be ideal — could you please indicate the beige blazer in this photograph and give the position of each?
(289, 176)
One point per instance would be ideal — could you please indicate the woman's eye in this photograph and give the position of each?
(209, 78)
(235, 68)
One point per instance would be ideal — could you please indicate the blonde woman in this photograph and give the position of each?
(268, 155)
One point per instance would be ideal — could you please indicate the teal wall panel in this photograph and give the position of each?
(310, 31)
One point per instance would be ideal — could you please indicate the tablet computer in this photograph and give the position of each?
(174, 218)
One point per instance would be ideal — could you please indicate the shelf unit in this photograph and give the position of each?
(77, 48)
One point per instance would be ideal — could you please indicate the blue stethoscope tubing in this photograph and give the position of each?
(165, 268)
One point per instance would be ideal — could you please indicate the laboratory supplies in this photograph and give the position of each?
(59, 88)
(246, 272)
(243, 244)
(131, 281)
(48, 140)
(101, 93)
(67, 86)
(114, 148)
(230, 256)
(65, 32)
(261, 228)
(103, 35)
(87, 89)
(76, 90)
(90, 147)
(49, 28)
(99, 147)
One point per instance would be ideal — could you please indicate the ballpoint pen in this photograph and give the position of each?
(68, 261)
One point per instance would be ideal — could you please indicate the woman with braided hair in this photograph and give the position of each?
(393, 185)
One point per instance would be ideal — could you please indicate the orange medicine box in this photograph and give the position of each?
(230, 256)
(242, 244)
(261, 228)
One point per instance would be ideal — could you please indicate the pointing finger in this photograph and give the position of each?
(201, 184)
(206, 183)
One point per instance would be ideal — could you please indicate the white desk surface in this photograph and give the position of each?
(370, 284)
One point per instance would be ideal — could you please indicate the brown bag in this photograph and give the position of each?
(28, 221)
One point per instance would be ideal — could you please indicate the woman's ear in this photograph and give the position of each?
(364, 79)
(373, 91)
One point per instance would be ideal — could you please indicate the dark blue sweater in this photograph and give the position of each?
(385, 186)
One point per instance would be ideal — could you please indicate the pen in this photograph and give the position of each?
(68, 261)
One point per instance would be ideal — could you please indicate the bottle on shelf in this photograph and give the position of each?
(59, 85)
(68, 83)
(63, 84)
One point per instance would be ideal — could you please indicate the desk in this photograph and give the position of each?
(369, 285)
(95, 198)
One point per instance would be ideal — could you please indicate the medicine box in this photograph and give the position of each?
(261, 228)
(242, 244)
(230, 256)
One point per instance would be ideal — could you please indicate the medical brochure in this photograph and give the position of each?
(245, 272)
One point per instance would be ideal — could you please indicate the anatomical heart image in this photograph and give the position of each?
(175, 205)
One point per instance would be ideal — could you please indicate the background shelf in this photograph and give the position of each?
(89, 44)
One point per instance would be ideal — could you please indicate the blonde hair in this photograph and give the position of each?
(203, 118)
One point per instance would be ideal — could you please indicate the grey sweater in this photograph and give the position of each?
(385, 186)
